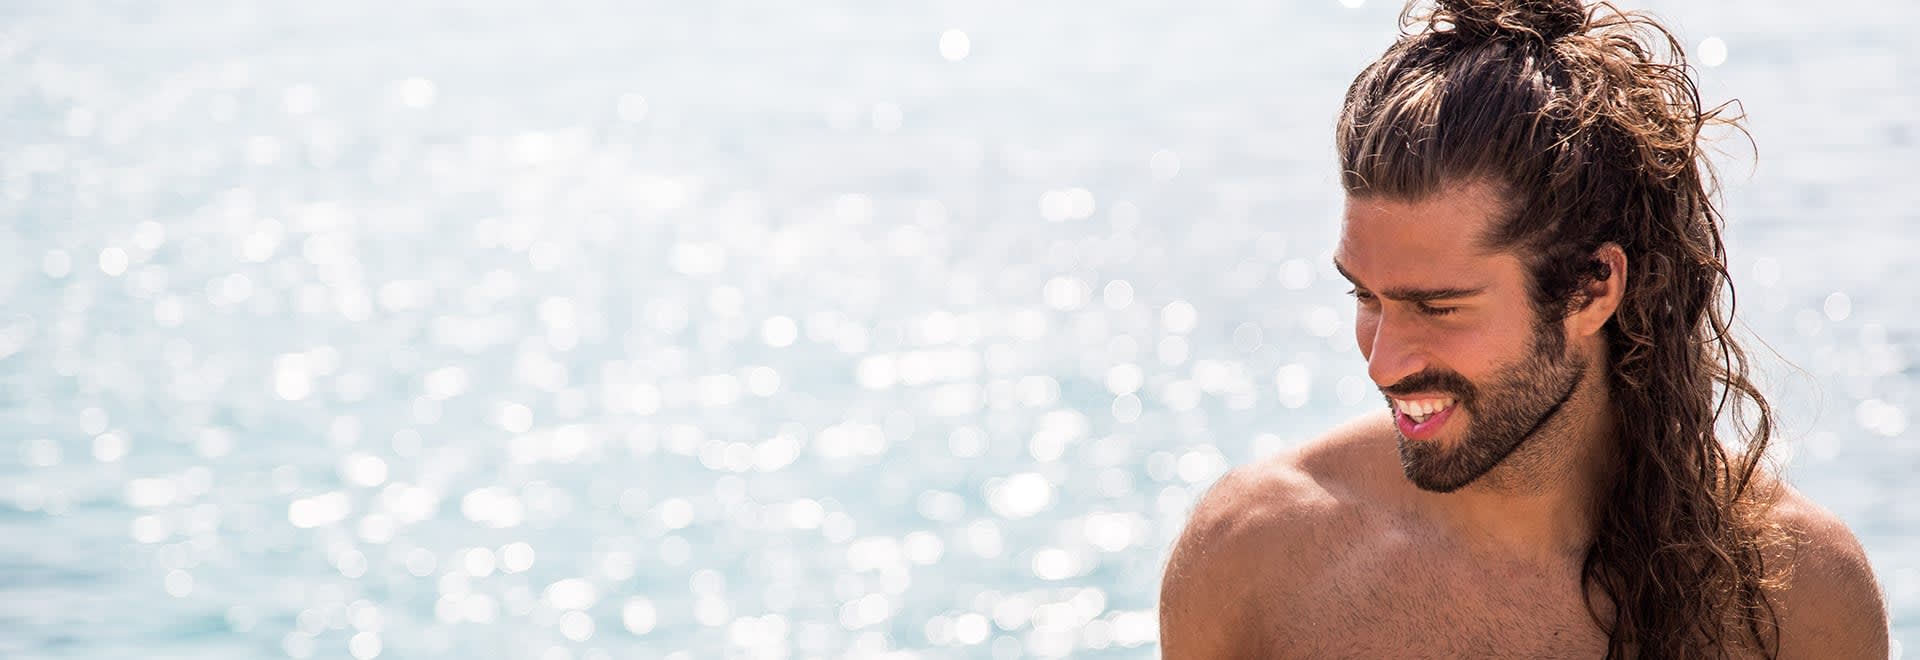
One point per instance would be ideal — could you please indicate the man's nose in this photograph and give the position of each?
(1395, 355)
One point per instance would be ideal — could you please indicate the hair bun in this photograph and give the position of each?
(1547, 19)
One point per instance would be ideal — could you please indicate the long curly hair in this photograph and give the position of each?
(1588, 119)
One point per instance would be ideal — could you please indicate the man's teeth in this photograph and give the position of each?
(1421, 409)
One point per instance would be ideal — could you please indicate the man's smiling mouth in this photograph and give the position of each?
(1421, 409)
(1420, 418)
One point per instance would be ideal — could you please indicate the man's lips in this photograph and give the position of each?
(1427, 429)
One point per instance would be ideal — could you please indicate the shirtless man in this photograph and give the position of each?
(1537, 273)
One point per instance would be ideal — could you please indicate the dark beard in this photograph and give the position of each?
(1503, 415)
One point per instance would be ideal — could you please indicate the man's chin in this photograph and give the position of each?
(1431, 485)
(1430, 467)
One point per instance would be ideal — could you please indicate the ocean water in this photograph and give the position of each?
(734, 330)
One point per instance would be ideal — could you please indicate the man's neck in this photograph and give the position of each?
(1539, 504)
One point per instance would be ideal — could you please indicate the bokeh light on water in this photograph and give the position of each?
(721, 330)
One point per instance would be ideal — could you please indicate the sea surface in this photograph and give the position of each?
(722, 329)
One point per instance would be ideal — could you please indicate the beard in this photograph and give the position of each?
(1502, 415)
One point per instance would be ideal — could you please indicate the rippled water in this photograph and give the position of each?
(592, 329)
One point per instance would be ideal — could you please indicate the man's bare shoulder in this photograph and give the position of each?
(1831, 606)
(1265, 523)
(1282, 498)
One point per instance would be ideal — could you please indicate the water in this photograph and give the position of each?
(598, 330)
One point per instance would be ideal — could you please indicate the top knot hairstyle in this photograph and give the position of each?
(1587, 120)
(1546, 20)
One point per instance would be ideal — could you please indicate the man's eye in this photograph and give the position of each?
(1362, 296)
(1431, 310)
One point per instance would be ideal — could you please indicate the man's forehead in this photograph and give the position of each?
(1438, 236)
(1467, 209)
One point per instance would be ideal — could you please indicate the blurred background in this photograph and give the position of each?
(747, 330)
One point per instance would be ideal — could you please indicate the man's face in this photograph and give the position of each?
(1450, 335)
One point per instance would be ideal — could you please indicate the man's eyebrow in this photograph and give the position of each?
(1413, 294)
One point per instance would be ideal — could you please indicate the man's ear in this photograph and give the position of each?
(1599, 293)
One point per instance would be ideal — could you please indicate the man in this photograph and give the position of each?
(1537, 273)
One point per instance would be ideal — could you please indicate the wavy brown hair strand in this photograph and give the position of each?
(1589, 122)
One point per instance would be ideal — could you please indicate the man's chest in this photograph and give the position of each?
(1392, 605)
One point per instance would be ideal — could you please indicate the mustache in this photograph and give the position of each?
(1432, 381)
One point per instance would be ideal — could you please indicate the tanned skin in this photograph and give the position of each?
(1330, 551)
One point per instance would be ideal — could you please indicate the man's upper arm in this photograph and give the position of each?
(1209, 607)
(1832, 607)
